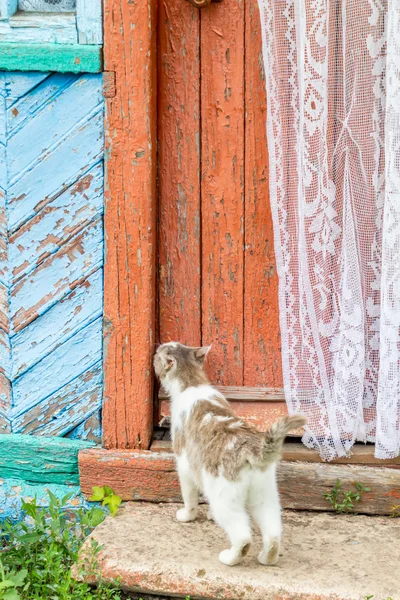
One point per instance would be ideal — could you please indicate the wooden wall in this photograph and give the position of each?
(51, 263)
(217, 276)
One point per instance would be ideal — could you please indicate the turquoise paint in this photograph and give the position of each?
(64, 58)
(40, 460)
(51, 205)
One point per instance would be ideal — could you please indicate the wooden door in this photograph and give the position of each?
(217, 277)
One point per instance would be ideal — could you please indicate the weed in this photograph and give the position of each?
(344, 502)
(395, 511)
(38, 553)
(106, 496)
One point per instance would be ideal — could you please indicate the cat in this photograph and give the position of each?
(223, 457)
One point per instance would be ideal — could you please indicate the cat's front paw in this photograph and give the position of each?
(185, 515)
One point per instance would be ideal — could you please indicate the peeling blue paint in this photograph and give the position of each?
(51, 254)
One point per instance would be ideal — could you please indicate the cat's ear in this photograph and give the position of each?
(169, 362)
(201, 353)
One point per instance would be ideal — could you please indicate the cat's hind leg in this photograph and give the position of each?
(189, 491)
(227, 500)
(264, 507)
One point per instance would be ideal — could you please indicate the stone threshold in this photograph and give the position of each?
(324, 557)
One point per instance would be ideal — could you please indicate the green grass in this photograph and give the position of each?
(37, 554)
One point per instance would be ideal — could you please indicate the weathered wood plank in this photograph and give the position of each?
(41, 56)
(222, 187)
(38, 91)
(66, 362)
(18, 84)
(57, 223)
(296, 451)
(262, 355)
(55, 252)
(74, 312)
(51, 123)
(56, 276)
(30, 29)
(63, 410)
(245, 393)
(179, 172)
(40, 459)
(5, 403)
(36, 188)
(130, 224)
(89, 430)
(151, 476)
(89, 21)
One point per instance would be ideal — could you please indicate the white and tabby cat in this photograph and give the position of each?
(218, 454)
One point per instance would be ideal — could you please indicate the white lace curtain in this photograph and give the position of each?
(333, 90)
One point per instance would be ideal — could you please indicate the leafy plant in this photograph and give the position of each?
(106, 496)
(10, 582)
(344, 502)
(395, 511)
(37, 557)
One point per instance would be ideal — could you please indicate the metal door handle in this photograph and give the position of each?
(202, 3)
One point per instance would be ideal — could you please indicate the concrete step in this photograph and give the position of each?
(325, 557)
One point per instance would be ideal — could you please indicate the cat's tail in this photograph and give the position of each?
(275, 436)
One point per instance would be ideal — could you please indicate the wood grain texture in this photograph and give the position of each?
(130, 221)
(89, 21)
(245, 393)
(179, 172)
(40, 459)
(222, 191)
(5, 347)
(31, 29)
(66, 409)
(151, 476)
(51, 279)
(262, 354)
(70, 58)
(296, 451)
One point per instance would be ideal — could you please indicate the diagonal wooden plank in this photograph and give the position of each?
(64, 410)
(59, 323)
(56, 276)
(36, 188)
(26, 106)
(17, 84)
(56, 223)
(48, 126)
(65, 363)
(90, 429)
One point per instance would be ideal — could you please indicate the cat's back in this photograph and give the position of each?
(216, 438)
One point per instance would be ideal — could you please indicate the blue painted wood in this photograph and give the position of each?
(67, 409)
(51, 254)
(14, 491)
(36, 188)
(61, 322)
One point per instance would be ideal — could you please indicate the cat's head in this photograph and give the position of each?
(174, 362)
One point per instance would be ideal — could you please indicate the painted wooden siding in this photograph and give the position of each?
(51, 254)
(217, 276)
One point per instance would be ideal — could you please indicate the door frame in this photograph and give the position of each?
(129, 222)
